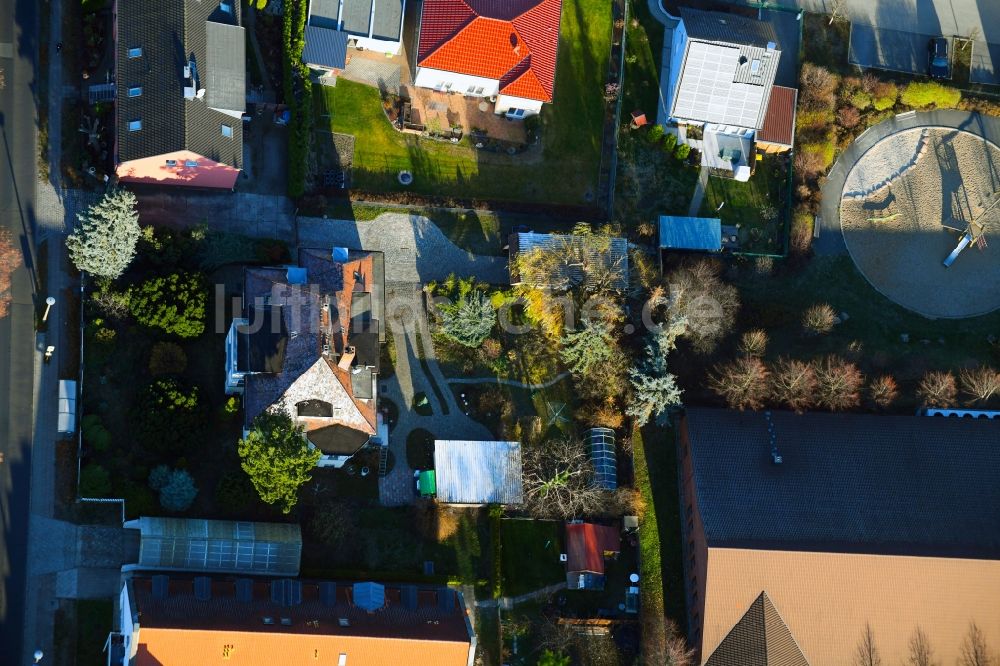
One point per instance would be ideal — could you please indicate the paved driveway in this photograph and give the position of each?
(415, 248)
(894, 50)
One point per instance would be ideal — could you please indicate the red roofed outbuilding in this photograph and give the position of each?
(587, 548)
(487, 48)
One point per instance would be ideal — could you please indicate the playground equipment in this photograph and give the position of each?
(973, 234)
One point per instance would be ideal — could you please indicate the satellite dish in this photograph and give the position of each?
(201, 93)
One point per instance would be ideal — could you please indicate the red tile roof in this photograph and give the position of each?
(586, 544)
(512, 41)
(779, 121)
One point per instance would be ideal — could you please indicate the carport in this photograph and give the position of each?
(893, 50)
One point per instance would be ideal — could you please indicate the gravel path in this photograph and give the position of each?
(897, 236)
(416, 250)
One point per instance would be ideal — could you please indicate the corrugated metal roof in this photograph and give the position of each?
(478, 472)
(325, 47)
(690, 233)
(779, 122)
(189, 544)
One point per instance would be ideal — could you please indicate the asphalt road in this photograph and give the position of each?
(18, 47)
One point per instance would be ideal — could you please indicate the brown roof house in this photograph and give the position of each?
(802, 531)
(587, 547)
(308, 342)
(232, 621)
(719, 76)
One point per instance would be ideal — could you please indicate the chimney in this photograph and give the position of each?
(347, 358)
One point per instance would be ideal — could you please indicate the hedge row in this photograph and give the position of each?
(298, 95)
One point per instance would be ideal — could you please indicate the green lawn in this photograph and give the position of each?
(530, 553)
(643, 46)
(744, 202)
(564, 173)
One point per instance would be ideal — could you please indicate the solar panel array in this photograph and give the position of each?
(217, 545)
(602, 454)
(708, 90)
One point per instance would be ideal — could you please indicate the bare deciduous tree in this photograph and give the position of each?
(664, 644)
(938, 389)
(753, 342)
(866, 653)
(817, 88)
(709, 305)
(819, 319)
(743, 383)
(559, 481)
(794, 383)
(975, 652)
(921, 653)
(980, 384)
(883, 391)
(839, 384)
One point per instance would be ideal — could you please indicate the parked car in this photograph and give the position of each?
(938, 65)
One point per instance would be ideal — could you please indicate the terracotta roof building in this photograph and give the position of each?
(801, 530)
(202, 621)
(487, 48)
(778, 132)
(308, 342)
(587, 547)
(180, 71)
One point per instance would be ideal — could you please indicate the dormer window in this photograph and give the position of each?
(135, 91)
(227, 131)
(135, 125)
(135, 52)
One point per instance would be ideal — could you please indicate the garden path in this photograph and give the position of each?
(407, 321)
(416, 250)
(509, 382)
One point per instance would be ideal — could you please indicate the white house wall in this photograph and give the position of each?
(532, 107)
(437, 79)
(377, 45)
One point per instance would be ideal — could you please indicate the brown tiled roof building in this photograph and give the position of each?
(882, 521)
(203, 621)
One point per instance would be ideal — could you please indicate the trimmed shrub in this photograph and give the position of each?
(234, 492)
(848, 117)
(860, 100)
(94, 433)
(179, 493)
(813, 118)
(159, 477)
(168, 417)
(174, 304)
(682, 151)
(920, 94)
(94, 481)
(669, 142)
(655, 133)
(167, 358)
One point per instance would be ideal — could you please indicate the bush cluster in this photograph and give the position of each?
(174, 303)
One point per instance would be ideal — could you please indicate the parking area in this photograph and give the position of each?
(788, 29)
(983, 66)
(892, 50)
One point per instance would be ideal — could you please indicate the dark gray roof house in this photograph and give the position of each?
(180, 70)
(309, 342)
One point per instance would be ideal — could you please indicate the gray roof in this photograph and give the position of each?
(728, 69)
(760, 638)
(478, 472)
(379, 19)
(580, 250)
(388, 19)
(909, 485)
(226, 78)
(356, 16)
(171, 33)
(224, 546)
(727, 28)
(325, 47)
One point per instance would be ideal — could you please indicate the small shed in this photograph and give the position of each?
(476, 473)
(426, 483)
(587, 547)
(693, 234)
(67, 406)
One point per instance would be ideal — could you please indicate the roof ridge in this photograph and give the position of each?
(462, 28)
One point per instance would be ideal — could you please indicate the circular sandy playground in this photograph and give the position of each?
(901, 199)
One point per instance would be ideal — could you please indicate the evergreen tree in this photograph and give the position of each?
(104, 240)
(277, 458)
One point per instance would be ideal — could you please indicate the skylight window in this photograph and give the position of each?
(226, 7)
(135, 52)
(171, 163)
(135, 125)
(135, 91)
(227, 131)
(190, 163)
